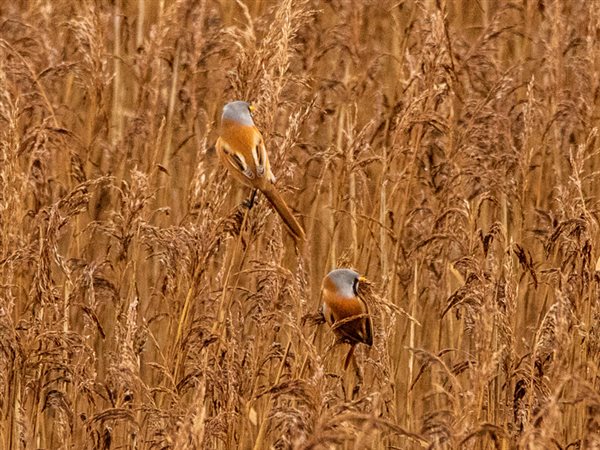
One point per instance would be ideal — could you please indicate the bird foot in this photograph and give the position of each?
(249, 202)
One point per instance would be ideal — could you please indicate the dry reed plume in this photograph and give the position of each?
(445, 149)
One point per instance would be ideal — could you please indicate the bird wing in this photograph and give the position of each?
(259, 152)
(234, 160)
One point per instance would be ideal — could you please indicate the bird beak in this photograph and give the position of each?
(251, 108)
(362, 279)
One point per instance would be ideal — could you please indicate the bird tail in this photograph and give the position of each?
(284, 212)
(349, 357)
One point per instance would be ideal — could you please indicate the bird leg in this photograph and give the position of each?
(249, 203)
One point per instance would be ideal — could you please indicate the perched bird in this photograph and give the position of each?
(345, 310)
(241, 149)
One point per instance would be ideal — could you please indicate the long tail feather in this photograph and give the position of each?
(349, 357)
(284, 212)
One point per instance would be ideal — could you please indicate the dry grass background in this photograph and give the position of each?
(448, 150)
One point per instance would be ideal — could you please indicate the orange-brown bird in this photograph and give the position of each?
(345, 310)
(242, 151)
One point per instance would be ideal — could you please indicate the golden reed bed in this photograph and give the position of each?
(447, 150)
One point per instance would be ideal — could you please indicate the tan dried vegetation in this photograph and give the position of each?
(447, 150)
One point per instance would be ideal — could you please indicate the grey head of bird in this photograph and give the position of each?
(239, 112)
(345, 281)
